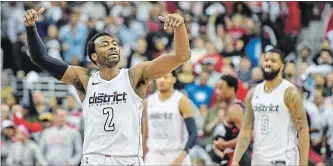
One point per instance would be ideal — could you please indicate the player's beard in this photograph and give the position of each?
(270, 75)
(104, 61)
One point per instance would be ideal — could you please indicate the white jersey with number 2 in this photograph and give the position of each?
(275, 136)
(112, 114)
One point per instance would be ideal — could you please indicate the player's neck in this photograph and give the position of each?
(108, 73)
(165, 95)
(270, 85)
(229, 101)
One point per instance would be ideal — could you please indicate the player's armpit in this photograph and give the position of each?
(138, 82)
(294, 102)
(78, 77)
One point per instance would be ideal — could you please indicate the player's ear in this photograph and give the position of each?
(174, 79)
(94, 56)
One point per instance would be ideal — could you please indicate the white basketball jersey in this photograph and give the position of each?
(112, 114)
(166, 128)
(274, 132)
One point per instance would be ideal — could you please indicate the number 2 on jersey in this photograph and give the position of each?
(264, 124)
(108, 126)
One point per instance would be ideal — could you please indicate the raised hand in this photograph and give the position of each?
(31, 16)
(172, 20)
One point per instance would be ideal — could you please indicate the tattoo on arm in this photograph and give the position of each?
(79, 87)
(248, 117)
(294, 101)
(244, 143)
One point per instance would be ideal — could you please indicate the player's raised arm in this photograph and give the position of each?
(294, 101)
(57, 68)
(165, 64)
(244, 137)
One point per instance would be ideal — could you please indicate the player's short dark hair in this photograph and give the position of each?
(91, 45)
(231, 81)
(174, 73)
(277, 51)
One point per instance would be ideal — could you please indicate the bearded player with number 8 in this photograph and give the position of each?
(112, 98)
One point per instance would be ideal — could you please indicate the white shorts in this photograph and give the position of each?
(292, 158)
(155, 158)
(96, 159)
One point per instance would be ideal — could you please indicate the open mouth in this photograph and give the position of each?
(267, 69)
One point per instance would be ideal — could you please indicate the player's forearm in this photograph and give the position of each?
(192, 132)
(39, 55)
(182, 44)
(211, 125)
(304, 145)
(231, 143)
(244, 139)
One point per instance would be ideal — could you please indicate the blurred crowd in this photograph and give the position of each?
(225, 38)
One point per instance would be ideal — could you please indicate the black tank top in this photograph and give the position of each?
(231, 130)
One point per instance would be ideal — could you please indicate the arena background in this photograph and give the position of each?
(225, 38)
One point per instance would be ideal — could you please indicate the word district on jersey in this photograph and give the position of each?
(262, 108)
(101, 99)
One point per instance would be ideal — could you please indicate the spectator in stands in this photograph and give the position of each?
(53, 104)
(327, 148)
(5, 112)
(199, 50)
(210, 122)
(324, 58)
(45, 121)
(25, 151)
(200, 93)
(185, 76)
(208, 66)
(256, 77)
(212, 53)
(74, 112)
(244, 72)
(137, 54)
(290, 72)
(61, 144)
(10, 100)
(7, 134)
(39, 102)
(73, 37)
(52, 44)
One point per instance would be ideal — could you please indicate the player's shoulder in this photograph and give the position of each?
(184, 100)
(251, 91)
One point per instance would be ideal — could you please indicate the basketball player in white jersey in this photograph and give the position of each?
(276, 117)
(169, 128)
(112, 97)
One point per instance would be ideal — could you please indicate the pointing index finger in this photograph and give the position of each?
(40, 11)
(161, 18)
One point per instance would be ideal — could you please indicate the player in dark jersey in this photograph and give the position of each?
(234, 109)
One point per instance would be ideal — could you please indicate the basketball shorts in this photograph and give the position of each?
(96, 159)
(167, 158)
(290, 159)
